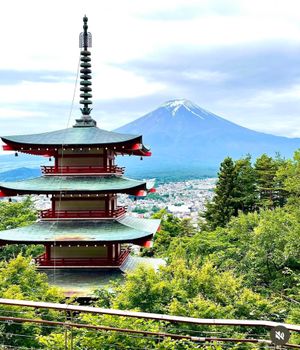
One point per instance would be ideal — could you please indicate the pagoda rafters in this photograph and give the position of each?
(133, 146)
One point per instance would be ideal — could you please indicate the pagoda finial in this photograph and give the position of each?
(85, 41)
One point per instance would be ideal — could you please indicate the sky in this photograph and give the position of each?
(239, 59)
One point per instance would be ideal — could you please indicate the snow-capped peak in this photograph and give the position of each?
(174, 105)
(178, 103)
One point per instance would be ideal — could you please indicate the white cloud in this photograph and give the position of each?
(39, 35)
(109, 83)
(265, 111)
(15, 113)
(205, 75)
(44, 35)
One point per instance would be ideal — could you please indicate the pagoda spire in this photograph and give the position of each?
(85, 41)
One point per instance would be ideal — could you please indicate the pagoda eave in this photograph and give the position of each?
(40, 146)
(76, 185)
(138, 241)
(51, 151)
(124, 230)
(138, 191)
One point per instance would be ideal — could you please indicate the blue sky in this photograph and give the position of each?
(239, 59)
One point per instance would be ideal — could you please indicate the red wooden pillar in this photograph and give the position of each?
(106, 199)
(110, 253)
(56, 163)
(105, 163)
(117, 251)
(47, 252)
(52, 204)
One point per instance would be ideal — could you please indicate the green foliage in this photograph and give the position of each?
(14, 215)
(179, 289)
(11, 251)
(170, 228)
(192, 290)
(263, 247)
(245, 196)
(91, 340)
(244, 188)
(19, 279)
(289, 175)
(243, 264)
(269, 185)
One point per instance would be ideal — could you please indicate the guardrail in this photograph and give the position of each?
(42, 260)
(82, 214)
(57, 170)
(68, 325)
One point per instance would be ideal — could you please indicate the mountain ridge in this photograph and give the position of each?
(181, 129)
(182, 136)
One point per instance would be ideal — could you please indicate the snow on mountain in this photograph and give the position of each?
(174, 105)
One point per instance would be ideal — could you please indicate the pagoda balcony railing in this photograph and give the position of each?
(42, 260)
(82, 214)
(56, 170)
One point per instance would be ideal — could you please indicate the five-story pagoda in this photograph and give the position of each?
(85, 227)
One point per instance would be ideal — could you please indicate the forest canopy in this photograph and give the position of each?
(241, 261)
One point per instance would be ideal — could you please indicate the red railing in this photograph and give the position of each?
(123, 255)
(51, 170)
(42, 261)
(82, 214)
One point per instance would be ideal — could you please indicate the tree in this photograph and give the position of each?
(269, 185)
(288, 176)
(190, 289)
(170, 228)
(219, 211)
(245, 195)
(14, 215)
(19, 279)
(263, 247)
(17, 214)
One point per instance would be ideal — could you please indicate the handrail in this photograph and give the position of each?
(102, 261)
(51, 214)
(69, 324)
(80, 169)
(151, 316)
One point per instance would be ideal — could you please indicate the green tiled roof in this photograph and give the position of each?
(127, 229)
(73, 136)
(51, 184)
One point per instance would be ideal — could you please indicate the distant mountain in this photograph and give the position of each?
(186, 142)
(19, 174)
(181, 133)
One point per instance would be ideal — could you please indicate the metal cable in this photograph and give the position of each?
(62, 157)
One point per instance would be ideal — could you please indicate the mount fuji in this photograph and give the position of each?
(186, 142)
(181, 134)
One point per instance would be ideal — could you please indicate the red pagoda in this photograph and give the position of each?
(85, 227)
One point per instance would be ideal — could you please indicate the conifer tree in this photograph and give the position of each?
(288, 176)
(269, 190)
(219, 211)
(245, 187)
